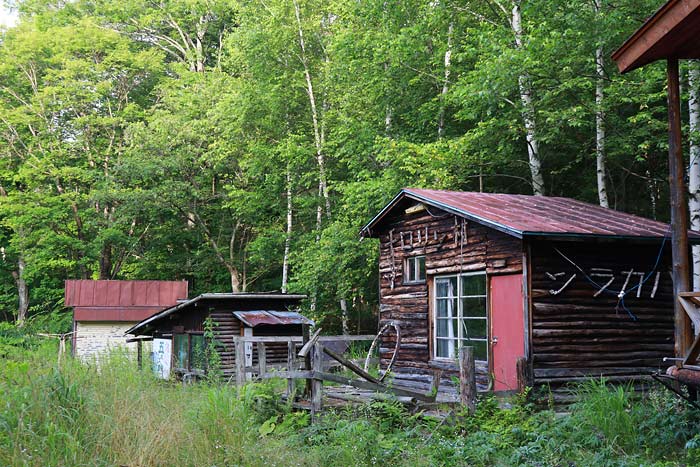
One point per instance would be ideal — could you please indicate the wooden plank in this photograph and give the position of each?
(290, 367)
(691, 310)
(240, 363)
(306, 348)
(693, 352)
(467, 378)
(347, 363)
(289, 375)
(362, 384)
(316, 384)
(298, 339)
(262, 359)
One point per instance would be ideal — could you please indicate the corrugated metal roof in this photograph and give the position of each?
(258, 317)
(107, 293)
(107, 300)
(524, 215)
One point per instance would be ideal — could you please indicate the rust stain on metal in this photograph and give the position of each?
(258, 317)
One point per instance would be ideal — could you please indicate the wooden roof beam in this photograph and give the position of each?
(671, 32)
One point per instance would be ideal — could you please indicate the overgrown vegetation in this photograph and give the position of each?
(77, 415)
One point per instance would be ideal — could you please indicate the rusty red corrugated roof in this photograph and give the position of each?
(112, 300)
(258, 317)
(525, 215)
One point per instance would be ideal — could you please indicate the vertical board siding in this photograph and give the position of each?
(450, 245)
(576, 334)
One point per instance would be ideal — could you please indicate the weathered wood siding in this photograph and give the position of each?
(576, 334)
(450, 245)
(227, 326)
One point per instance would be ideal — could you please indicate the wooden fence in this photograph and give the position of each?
(308, 364)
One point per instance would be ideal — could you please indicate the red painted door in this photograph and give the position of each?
(507, 329)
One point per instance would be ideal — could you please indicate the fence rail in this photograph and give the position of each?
(309, 364)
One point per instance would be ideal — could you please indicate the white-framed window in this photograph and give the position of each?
(414, 269)
(460, 315)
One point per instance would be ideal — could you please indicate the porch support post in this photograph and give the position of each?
(679, 213)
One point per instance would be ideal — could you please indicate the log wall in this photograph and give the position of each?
(575, 333)
(450, 245)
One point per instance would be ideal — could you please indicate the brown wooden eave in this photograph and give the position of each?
(672, 32)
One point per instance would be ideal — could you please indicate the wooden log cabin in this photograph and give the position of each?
(571, 289)
(178, 332)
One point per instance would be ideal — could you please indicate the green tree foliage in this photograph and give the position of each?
(236, 143)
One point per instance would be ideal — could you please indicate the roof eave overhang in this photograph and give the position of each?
(406, 193)
(578, 236)
(661, 27)
(145, 324)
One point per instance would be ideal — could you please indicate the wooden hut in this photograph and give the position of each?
(178, 332)
(571, 289)
(104, 309)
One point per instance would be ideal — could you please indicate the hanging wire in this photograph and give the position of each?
(622, 293)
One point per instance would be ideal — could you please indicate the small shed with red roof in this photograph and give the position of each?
(559, 288)
(104, 309)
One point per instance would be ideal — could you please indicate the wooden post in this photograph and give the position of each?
(467, 378)
(523, 372)
(316, 384)
(305, 336)
(139, 354)
(262, 363)
(679, 213)
(290, 367)
(240, 362)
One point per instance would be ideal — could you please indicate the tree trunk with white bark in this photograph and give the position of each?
(315, 120)
(344, 318)
(22, 291)
(288, 237)
(528, 109)
(600, 122)
(446, 81)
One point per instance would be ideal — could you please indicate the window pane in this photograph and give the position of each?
(443, 348)
(446, 308)
(442, 327)
(474, 328)
(197, 353)
(421, 268)
(181, 350)
(480, 349)
(474, 307)
(408, 270)
(474, 285)
(445, 287)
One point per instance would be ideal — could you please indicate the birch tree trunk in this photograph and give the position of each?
(344, 316)
(288, 237)
(315, 118)
(446, 81)
(528, 109)
(694, 168)
(22, 291)
(600, 122)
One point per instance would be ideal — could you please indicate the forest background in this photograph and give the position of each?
(241, 145)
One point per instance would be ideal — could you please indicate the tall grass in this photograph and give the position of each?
(77, 415)
(81, 416)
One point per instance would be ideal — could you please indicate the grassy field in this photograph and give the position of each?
(73, 415)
